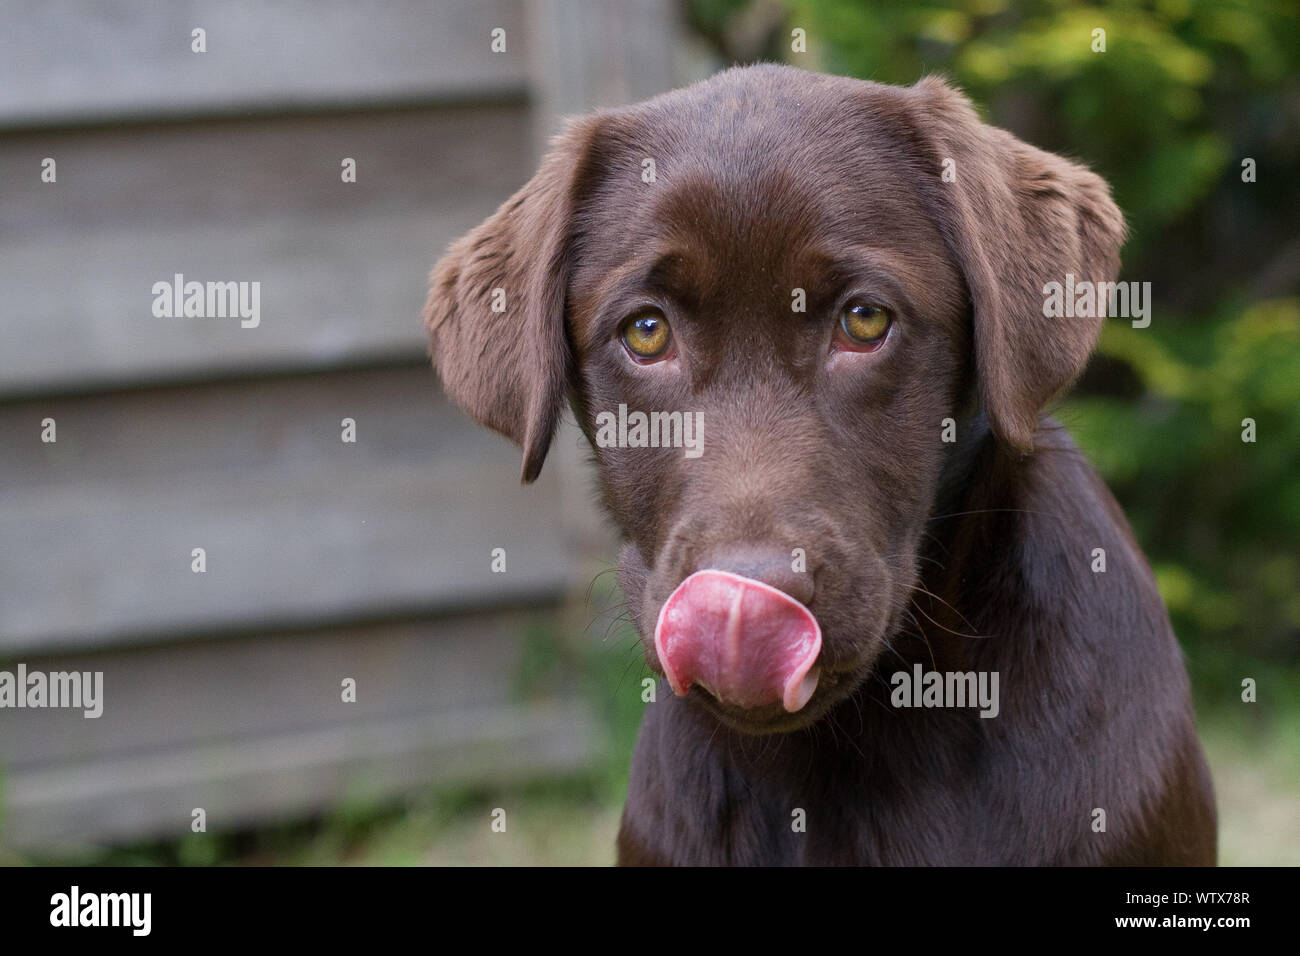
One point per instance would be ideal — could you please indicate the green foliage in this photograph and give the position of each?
(1219, 516)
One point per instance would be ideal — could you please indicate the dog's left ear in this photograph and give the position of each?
(1017, 218)
(496, 305)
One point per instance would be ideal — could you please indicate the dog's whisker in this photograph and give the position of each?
(989, 511)
(978, 637)
(931, 594)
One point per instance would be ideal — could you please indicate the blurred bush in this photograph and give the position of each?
(1185, 91)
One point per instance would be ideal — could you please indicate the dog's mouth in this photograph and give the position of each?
(752, 647)
(774, 718)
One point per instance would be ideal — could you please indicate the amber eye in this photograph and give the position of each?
(865, 324)
(646, 335)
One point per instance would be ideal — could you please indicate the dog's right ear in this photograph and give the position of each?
(496, 304)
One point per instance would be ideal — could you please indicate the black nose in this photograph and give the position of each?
(781, 568)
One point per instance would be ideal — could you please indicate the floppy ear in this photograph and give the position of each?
(1017, 218)
(496, 305)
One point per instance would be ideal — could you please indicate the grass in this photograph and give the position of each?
(1254, 754)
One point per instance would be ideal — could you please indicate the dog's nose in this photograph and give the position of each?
(784, 569)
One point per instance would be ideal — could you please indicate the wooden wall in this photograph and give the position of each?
(325, 559)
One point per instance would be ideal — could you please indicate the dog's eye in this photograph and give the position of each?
(646, 335)
(865, 324)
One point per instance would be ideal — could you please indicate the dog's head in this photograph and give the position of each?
(804, 276)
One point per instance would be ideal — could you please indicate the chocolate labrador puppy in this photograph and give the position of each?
(803, 320)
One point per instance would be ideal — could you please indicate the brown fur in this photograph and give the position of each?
(973, 556)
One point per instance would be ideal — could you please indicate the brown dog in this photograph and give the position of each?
(842, 286)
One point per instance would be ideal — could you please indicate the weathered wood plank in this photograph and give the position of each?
(255, 728)
(602, 54)
(74, 61)
(298, 526)
(183, 693)
(342, 266)
(237, 783)
(134, 177)
(330, 294)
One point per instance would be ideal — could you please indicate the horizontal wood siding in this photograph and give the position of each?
(324, 559)
(297, 525)
(252, 729)
(85, 61)
(342, 266)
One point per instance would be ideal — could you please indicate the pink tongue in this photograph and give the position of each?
(746, 642)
